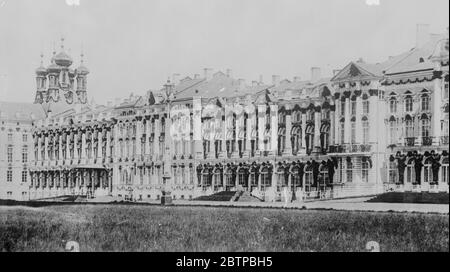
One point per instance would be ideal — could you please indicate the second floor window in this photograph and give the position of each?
(426, 128)
(10, 154)
(365, 125)
(409, 104)
(409, 126)
(353, 126)
(25, 138)
(393, 106)
(353, 108)
(10, 137)
(365, 107)
(342, 107)
(425, 103)
(25, 155)
(393, 132)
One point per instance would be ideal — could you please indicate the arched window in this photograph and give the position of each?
(343, 104)
(393, 105)
(253, 177)
(230, 178)
(218, 178)
(296, 179)
(349, 171)
(281, 139)
(425, 102)
(409, 127)
(324, 178)
(425, 127)
(325, 136)
(242, 177)
(393, 173)
(309, 138)
(282, 179)
(444, 171)
(309, 178)
(266, 178)
(410, 172)
(392, 131)
(428, 172)
(408, 104)
(353, 131)
(296, 139)
(365, 171)
(207, 177)
(366, 130)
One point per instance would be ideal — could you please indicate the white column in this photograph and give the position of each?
(303, 149)
(108, 144)
(337, 122)
(147, 133)
(99, 145)
(317, 123)
(373, 117)
(348, 126)
(288, 148)
(274, 128)
(261, 125)
(437, 113)
(156, 139)
(83, 145)
(332, 127)
(138, 136)
(359, 113)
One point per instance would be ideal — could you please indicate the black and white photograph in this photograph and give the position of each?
(224, 126)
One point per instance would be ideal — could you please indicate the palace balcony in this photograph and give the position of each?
(427, 141)
(350, 148)
(410, 141)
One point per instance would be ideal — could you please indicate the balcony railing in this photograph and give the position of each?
(410, 141)
(351, 148)
(427, 141)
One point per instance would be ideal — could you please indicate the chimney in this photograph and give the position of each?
(297, 79)
(176, 79)
(229, 73)
(276, 80)
(335, 72)
(109, 104)
(207, 73)
(261, 79)
(315, 74)
(196, 76)
(422, 35)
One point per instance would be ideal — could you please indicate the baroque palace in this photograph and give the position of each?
(368, 129)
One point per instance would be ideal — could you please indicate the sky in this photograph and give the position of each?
(132, 46)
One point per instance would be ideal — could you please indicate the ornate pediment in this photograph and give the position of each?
(353, 71)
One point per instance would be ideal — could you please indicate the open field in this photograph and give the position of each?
(154, 228)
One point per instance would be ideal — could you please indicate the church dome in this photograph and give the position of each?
(82, 70)
(53, 68)
(41, 71)
(62, 59)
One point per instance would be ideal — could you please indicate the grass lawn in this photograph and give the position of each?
(409, 197)
(140, 228)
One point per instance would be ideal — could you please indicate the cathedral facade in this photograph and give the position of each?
(368, 129)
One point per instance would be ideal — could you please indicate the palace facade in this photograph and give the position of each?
(368, 129)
